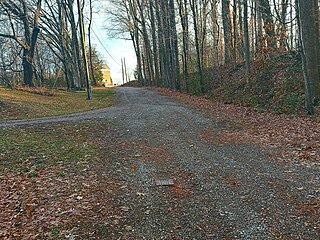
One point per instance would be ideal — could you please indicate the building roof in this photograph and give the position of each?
(105, 66)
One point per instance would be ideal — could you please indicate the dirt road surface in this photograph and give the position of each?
(221, 190)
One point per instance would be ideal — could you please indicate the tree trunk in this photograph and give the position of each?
(75, 46)
(161, 47)
(132, 11)
(154, 42)
(84, 51)
(291, 25)
(27, 69)
(283, 43)
(241, 48)
(183, 12)
(174, 44)
(235, 34)
(147, 45)
(65, 53)
(167, 60)
(259, 20)
(246, 38)
(227, 30)
(309, 50)
(31, 41)
(136, 43)
(194, 9)
(268, 21)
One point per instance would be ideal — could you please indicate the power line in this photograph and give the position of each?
(104, 46)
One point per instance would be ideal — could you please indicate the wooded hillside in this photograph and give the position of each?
(200, 46)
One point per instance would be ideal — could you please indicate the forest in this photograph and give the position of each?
(262, 53)
(259, 53)
(43, 43)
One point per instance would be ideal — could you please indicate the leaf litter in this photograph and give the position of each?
(66, 200)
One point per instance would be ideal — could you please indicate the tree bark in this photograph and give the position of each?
(241, 44)
(84, 51)
(268, 21)
(227, 30)
(235, 34)
(64, 49)
(167, 48)
(161, 46)
(309, 51)
(148, 53)
(259, 20)
(183, 12)
(174, 44)
(154, 42)
(75, 46)
(30, 36)
(194, 9)
(131, 9)
(246, 38)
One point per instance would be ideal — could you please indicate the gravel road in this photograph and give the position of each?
(221, 190)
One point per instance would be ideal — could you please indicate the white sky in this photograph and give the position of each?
(117, 48)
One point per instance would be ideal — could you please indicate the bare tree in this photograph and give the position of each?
(19, 14)
(309, 52)
(90, 44)
(246, 38)
(183, 13)
(227, 30)
(195, 14)
(84, 50)
(154, 41)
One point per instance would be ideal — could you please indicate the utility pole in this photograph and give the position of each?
(93, 80)
(125, 69)
(84, 51)
(122, 70)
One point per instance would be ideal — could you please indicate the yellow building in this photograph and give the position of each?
(107, 80)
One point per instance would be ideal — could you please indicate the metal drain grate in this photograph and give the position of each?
(164, 182)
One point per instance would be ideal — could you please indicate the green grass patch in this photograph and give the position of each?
(28, 150)
(45, 171)
(16, 104)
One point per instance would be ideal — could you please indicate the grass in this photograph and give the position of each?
(16, 104)
(42, 167)
(28, 150)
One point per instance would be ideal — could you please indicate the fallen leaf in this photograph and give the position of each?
(134, 168)
(139, 194)
(79, 198)
(124, 208)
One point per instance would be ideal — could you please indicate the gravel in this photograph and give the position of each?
(220, 191)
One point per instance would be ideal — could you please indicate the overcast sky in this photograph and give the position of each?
(117, 48)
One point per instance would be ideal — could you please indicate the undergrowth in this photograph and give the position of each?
(275, 86)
